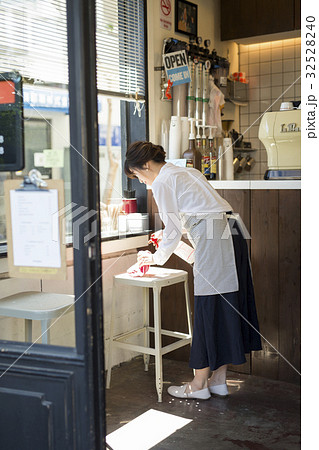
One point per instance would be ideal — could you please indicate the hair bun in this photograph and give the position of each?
(160, 152)
(139, 153)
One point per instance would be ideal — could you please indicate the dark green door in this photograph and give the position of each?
(53, 397)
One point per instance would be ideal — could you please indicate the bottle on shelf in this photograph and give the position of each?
(205, 155)
(198, 140)
(212, 154)
(192, 155)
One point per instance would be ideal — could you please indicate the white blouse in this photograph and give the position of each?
(186, 199)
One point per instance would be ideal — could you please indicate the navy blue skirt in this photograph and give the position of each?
(226, 325)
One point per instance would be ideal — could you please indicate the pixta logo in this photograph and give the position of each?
(201, 225)
(67, 216)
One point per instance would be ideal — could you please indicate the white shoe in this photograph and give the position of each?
(219, 389)
(179, 392)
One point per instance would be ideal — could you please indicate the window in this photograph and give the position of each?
(34, 43)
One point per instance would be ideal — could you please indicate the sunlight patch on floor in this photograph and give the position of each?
(146, 430)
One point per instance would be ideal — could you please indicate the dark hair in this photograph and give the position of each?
(139, 153)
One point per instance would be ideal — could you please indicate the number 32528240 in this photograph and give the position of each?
(310, 48)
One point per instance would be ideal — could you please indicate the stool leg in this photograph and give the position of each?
(158, 342)
(188, 308)
(109, 356)
(28, 330)
(146, 357)
(45, 330)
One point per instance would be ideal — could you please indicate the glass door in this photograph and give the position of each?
(53, 396)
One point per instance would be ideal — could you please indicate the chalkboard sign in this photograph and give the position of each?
(11, 122)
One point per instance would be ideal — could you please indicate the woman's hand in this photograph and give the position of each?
(145, 258)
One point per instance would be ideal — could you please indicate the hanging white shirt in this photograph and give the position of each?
(186, 199)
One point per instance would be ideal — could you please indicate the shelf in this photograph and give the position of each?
(238, 102)
(244, 150)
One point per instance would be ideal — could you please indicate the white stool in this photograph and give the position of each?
(42, 306)
(156, 278)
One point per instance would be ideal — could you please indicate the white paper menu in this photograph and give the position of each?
(35, 228)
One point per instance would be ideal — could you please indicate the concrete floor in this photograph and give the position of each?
(258, 414)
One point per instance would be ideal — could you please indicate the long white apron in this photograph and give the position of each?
(214, 267)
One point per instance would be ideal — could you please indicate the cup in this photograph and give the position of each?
(129, 205)
(175, 138)
(109, 217)
(242, 163)
(164, 136)
(236, 163)
(122, 223)
(250, 163)
(137, 222)
(286, 106)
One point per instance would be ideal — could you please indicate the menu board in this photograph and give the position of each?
(35, 231)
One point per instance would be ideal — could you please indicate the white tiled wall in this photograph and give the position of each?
(273, 71)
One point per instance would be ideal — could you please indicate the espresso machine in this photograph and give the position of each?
(280, 132)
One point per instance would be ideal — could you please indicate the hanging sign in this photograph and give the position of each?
(165, 14)
(176, 67)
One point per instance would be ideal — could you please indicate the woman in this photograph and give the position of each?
(225, 319)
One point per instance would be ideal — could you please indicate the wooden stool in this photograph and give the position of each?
(42, 306)
(156, 278)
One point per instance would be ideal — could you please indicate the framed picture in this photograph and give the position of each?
(185, 17)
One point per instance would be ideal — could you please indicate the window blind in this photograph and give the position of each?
(120, 46)
(34, 40)
(34, 43)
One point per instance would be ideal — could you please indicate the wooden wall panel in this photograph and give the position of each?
(239, 199)
(264, 257)
(220, 192)
(289, 284)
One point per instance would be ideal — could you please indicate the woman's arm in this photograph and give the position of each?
(166, 200)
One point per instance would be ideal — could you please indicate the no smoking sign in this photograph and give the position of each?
(165, 14)
(166, 7)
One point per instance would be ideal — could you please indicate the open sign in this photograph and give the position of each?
(176, 67)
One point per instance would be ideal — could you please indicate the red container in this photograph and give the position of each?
(129, 205)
